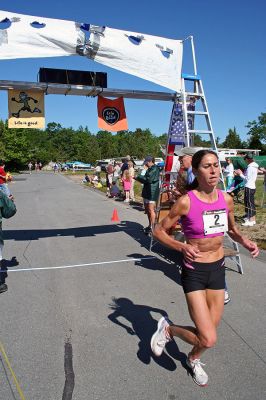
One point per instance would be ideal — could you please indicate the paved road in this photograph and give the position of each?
(82, 331)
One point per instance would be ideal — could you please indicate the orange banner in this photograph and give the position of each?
(111, 114)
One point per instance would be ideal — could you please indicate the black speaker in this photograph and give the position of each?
(72, 77)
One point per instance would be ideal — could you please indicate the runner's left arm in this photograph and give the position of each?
(233, 231)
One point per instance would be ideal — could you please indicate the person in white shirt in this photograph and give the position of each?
(229, 173)
(249, 177)
(98, 171)
(117, 170)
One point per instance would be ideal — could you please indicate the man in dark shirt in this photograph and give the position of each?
(150, 191)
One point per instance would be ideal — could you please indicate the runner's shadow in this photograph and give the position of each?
(130, 228)
(142, 324)
(170, 270)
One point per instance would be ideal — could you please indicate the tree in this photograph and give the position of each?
(199, 142)
(232, 140)
(257, 133)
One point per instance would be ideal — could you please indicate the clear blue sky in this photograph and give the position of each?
(230, 47)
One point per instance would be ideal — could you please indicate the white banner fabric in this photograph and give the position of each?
(22, 40)
(153, 58)
(149, 60)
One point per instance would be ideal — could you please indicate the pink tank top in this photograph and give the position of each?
(192, 223)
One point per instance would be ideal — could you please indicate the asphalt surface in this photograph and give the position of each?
(82, 331)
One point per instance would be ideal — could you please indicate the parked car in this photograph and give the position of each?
(78, 165)
(159, 161)
(103, 164)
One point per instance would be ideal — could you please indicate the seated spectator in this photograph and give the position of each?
(94, 180)
(114, 190)
(98, 185)
(87, 179)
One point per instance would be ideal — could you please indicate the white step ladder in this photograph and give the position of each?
(190, 105)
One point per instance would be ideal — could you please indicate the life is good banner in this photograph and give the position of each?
(26, 109)
(111, 114)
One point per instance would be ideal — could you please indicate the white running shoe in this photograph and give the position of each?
(160, 337)
(249, 223)
(199, 375)
(226, 297)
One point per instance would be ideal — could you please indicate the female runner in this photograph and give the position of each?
(205, 214)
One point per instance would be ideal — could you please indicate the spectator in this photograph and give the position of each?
(229, 173)
(117, 170)
(94, 181)
(114, 190)
(127, 182)
(150, 191)
(7, 210)
(86, 179)
(125, 165)
(185, 158)
(98, 171)
(249, 177)
(109, 177)
(3, 180)
(132, 175)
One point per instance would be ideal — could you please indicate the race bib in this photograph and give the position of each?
(215, 222)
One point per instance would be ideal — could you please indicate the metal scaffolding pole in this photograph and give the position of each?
(90, 91)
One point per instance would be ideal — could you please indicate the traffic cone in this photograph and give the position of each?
(115, 217)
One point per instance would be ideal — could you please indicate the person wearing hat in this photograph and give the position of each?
(249, 178)
(185, 158)
(150, 191)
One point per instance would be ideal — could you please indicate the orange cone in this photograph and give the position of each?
(115, 217)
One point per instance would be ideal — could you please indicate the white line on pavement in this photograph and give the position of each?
(80, 265)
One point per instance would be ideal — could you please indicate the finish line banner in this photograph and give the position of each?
(111, 114)
(26, 109)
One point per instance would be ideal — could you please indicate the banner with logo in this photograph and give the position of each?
(154, 58)
(26, 109)
(111, 114)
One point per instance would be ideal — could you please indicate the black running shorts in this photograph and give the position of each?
(201, 276)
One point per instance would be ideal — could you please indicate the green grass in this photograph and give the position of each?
(260, 210)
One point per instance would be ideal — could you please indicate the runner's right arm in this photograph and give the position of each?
(181, 207)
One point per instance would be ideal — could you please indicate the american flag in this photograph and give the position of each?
(177, 126)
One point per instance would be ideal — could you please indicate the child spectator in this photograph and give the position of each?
(86, 179)
(127, 181)
(114, 190)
